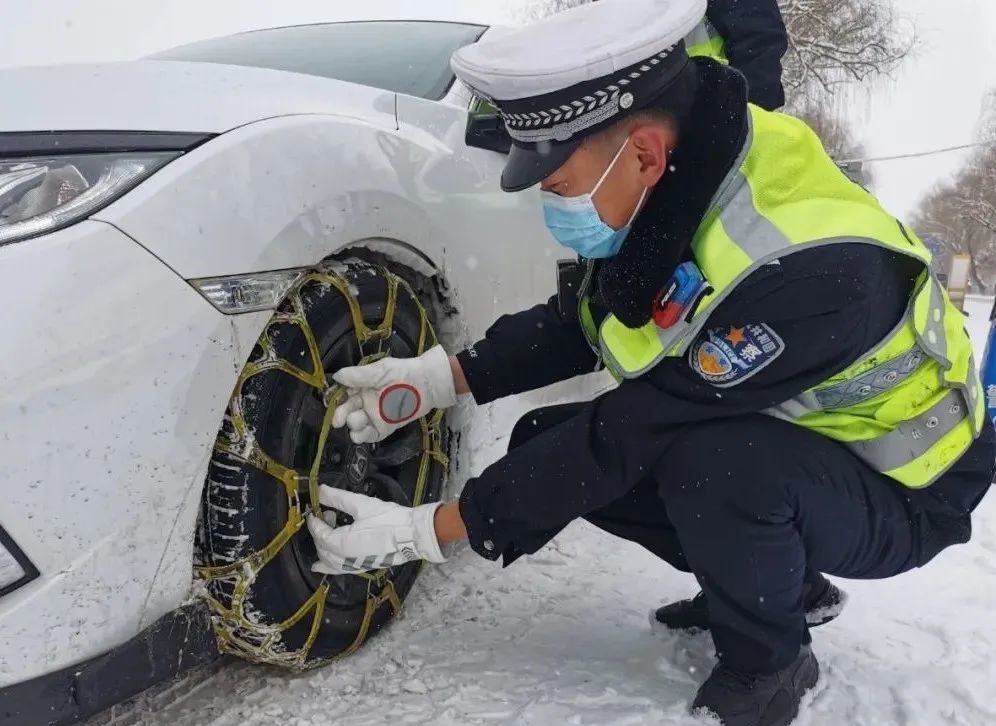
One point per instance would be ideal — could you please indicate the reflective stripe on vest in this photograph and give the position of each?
(889, 408)
(910, 406)
(706, 41)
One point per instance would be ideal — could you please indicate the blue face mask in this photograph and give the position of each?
(576, 224)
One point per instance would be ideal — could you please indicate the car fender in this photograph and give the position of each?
(276, 194)
(289, 192)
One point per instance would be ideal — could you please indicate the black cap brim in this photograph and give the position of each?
(528, 165)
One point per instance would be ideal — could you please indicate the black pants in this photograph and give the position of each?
(751, 504)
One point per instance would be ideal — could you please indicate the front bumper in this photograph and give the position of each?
(114, 378)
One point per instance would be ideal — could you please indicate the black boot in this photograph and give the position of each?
(741, 699)
(822, 599)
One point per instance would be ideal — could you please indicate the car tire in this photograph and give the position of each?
(276, 446)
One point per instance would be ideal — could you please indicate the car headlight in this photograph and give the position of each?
(42, 194)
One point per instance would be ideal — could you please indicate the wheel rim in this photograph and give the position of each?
(370, 469)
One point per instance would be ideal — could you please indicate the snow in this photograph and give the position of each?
(562, 638)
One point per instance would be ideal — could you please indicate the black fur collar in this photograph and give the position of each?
(661, 236)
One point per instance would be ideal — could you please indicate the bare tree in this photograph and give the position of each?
(978, 198)
(985, 129)
(834, 42)
(978, 201)
(939, 217)
(962, 213)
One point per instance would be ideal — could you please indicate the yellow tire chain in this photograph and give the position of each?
(237, 632)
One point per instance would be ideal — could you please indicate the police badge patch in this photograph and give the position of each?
(727, 356)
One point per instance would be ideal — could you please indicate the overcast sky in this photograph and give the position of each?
(934, 101)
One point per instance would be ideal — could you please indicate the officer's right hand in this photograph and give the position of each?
(392, 392)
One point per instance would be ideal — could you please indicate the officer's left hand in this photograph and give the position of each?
(392, 392)
(383, 534)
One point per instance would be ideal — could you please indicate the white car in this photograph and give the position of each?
(189, 246)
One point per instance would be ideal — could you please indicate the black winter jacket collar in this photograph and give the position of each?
(661, 236)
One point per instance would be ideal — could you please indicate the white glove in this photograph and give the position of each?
(385, 395)
(383, 534)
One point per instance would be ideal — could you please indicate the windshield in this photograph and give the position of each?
(409, 57)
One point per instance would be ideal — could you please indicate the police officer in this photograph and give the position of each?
(797, 394)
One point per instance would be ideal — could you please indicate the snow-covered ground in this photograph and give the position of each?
(562, 638)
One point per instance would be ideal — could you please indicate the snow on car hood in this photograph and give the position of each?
(154, 95)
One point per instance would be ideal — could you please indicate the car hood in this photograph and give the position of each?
(155, 95)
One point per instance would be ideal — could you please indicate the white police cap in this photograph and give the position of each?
(573, 73)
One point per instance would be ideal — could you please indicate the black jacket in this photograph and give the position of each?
(756, 40)
(828, 306)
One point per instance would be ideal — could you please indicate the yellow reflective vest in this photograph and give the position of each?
(912, 405)
(706, 41)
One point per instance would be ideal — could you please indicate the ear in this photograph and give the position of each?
(652, 145)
